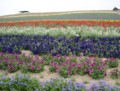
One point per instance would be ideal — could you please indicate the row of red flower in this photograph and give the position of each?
(63, 23)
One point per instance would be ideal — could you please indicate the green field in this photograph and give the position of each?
(72, 16)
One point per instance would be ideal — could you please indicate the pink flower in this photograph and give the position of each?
(38, 68)
(67, 62)
(20, 62)
(85, 70)
(58, 55)
(32, 67)
(69, 72)
(92, 64)
(42, 61)
(33, 61)
(78, 65)
(105, 74)
(69, 67)
(112, 59)
(90, 70)
(84, 63)
(98, 67)
(72, 64)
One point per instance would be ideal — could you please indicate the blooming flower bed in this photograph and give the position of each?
(68, 31)
(15, 62)
(65, 66)
(99, 46)
(63, 23)
(25, 83)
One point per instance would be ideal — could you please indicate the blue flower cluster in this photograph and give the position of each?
(19, 83)
(99, 46)
(102, 86)
(22, 82)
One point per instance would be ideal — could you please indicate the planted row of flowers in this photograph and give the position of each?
(25, 83)
(15, 62)
(68, 31)
(63, 23)
(99, 46)
(65, 66)
(94, 67)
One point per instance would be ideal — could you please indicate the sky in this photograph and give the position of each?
(14, 6)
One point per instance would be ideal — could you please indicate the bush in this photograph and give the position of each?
(19, 83)
(62, 85)
(102, 86)
(115, 74)
(112, 62)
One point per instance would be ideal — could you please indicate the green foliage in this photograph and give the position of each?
(69, 31)
(65, 72)
(115, 74)
(19, 83)
(112, 63)
(52, 69)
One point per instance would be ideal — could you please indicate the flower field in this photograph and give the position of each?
(67, 31)
(68, 48)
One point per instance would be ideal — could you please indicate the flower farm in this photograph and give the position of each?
(60, 55)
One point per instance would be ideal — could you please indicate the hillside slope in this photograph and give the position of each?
(73, 15)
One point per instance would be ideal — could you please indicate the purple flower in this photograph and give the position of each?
(32, 67)
(105, 74)
(38, 68)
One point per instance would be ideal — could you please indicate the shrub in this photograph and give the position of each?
(62, 85)
(48, 59)
(112, 62)
(65, 72)
(115, 74)
(97, 69)
(19, 83)
(102, 86)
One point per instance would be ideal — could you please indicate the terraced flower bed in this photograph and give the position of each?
(87, 49)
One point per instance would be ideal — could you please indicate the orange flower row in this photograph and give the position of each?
(53, 23)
